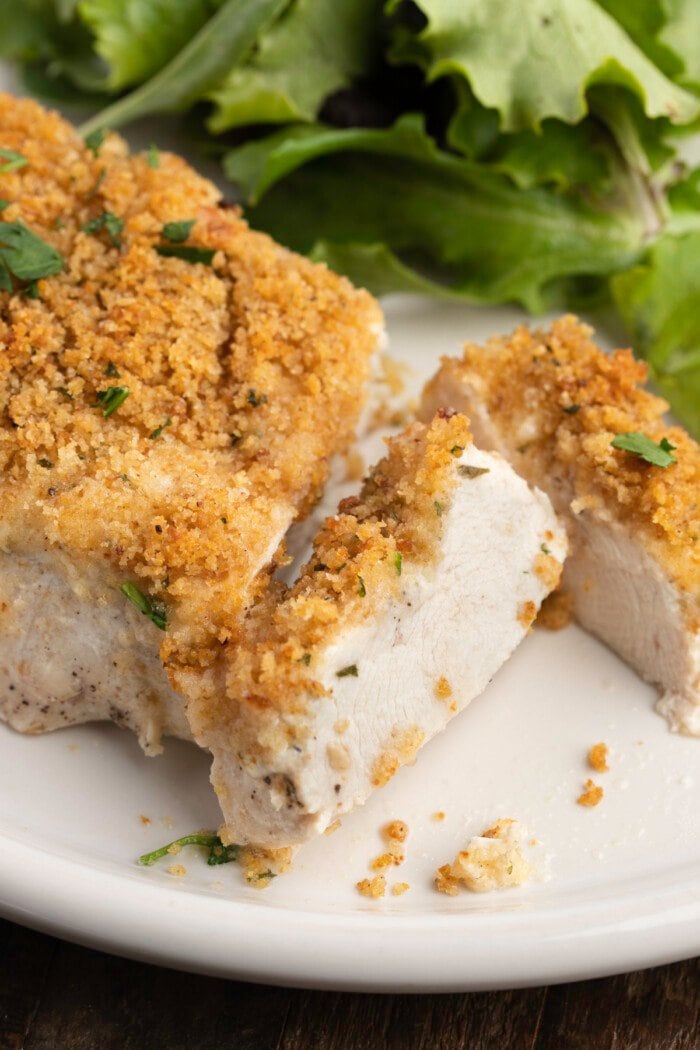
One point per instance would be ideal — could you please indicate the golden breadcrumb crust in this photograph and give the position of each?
(598, 758)
(358, 559)
(575, 399)
(253, 367)
(491, 861)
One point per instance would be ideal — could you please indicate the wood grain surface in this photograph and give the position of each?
(55, 996)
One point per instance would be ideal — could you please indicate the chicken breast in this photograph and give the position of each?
(171, 393)
(416, 593)
(552, 402)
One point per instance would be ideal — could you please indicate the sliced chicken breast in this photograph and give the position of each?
(416, 593)
(169, 403)
(552, 402)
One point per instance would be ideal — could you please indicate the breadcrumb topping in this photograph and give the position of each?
(591, 794)
(399, 888)
(598, 758)
(243, 377)
(556, 611)
(374, 888)
(491, 861)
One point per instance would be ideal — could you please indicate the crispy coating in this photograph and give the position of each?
(253, 367)
(570, 399)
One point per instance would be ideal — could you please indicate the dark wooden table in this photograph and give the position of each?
(54, 996)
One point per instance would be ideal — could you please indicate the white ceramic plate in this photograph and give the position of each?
(619, 887)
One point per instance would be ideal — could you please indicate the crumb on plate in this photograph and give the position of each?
(491, 861)
(399, 888)
(177, 869)
(598, 758)
(375, 887)
(591, 795)
(556, 611)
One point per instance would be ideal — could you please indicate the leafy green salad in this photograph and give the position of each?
(483, 150)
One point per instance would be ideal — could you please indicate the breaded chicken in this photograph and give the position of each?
(416, 593)
(169, 402)
(552, 402)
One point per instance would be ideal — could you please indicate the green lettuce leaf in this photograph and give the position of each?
(658, 300)
(312, 50)
(682, 34)
(532, 59)
(137, 37)
(441, 219)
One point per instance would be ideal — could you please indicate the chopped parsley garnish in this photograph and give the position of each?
(187, 252)
(58, 223)
(111, 399)
(153, 156)
(112, 371)
(109, 222)
(571, 410)
(544, 548)
(24, 256)
(45, 463)
(345, 672)
(13, 161)
(94, 140)
(468, 471)
(159, 430)
(456, 449)
(218, 853)
(150, 607)
(398, 562)
(258, 876)
(438, 508)
(361, 589)
(177, 232)
(639, 445)
(305, 659)
(96, 185)
(256, 399)
(65, 391)
(4, 204)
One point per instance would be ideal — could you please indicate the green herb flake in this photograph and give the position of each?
(150, 607)
(439, 508)
(112, 371)
(92, 192)
(31, 291)
(45, 463)
(398, 562)
(94, 140)
(111, 399)
(643, 447)
(154, 435)
(260, 876)
(24, 256)
(361, 589)
(456, 450)
(65, 391)
(571, 410)
(256, 399)
(4, 204)
(58, 223)
(187, 252)
(13, 161)
(177, 232)
(544, 548)
(218, 853)
(110, 223)
(347, 672)
(468, 471)
(305, 659)
(153, 156)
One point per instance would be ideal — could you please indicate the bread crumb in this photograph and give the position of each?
(384, 860)
(396, 831)
(177, 869)
(491, 861)
(556, 611)
(341, 726)
(399, 887)
(375, 887)
(443, 689)
(145, 820)
(332, 827)
(598, 758)
(439, 815)
(526, 614)
(591, 795)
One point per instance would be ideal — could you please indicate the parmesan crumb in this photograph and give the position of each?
(399, 887)
(439, 815)
(375, 887)
(591, 795)
(177, 869)
(491, 861)
(384, 860)
(598, 758)
(396, 831)
(443, 689)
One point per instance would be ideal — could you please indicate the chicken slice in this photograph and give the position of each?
(551, 403)
(167, 410)
(416, 593)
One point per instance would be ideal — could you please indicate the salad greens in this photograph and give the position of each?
(486, 150)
